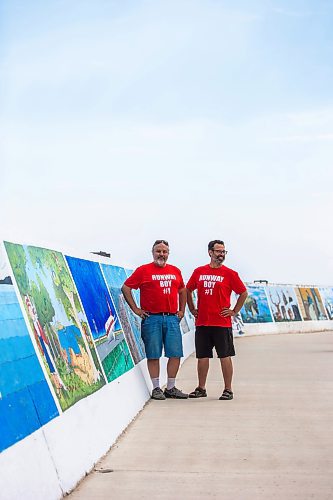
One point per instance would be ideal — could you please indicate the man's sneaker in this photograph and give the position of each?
(175, 393)
(157, 394)
(198, 393)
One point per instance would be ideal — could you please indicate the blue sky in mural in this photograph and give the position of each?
(26, 402)
(232, 102)
(94, 294)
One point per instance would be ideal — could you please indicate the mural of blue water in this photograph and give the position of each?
(26, 402)
(68, 339)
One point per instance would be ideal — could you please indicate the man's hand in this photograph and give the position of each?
(194, 312)
(140, 312)
(227, 312)
(180, 314)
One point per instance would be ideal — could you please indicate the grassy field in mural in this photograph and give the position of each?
(118, 361)
(58, 324)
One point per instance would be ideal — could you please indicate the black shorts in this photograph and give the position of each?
(207, 337)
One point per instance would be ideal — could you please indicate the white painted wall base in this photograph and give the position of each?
(28, 471)
(292, 327)
(86, 431)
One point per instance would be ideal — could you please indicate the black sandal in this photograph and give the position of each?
(227, 395)
(198, 393)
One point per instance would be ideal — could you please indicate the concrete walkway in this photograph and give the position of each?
(273, 441)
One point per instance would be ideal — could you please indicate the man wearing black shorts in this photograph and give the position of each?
(214, 283)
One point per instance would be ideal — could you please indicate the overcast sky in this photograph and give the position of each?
(189, 120)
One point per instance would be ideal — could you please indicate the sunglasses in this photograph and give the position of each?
(157, 242)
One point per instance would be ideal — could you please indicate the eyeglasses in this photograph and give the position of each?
(220, 252)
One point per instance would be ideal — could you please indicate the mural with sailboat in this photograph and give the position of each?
(102, 316)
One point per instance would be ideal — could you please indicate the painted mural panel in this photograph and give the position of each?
(135, 293)
(256, 308)
(283, 303)
(184, 326)
(310, 303)
(115, 277)
(59, 326)
(26, 402)
(327, 299)
(102, 317)
(189, 318)
(237, 323)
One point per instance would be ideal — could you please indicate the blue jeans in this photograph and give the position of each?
(159, 331)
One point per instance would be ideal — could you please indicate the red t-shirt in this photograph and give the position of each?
(214, 287)
(159, 287)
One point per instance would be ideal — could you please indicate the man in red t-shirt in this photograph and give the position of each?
(214, 283)
(162, 306)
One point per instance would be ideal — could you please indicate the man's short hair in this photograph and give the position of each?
(214, 242)
(157, 242)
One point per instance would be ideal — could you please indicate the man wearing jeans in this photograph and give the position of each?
(162, 306)
(214, 283)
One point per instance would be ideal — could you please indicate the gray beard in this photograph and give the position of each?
(160, 263)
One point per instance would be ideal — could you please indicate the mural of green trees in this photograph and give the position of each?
(58, 323)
